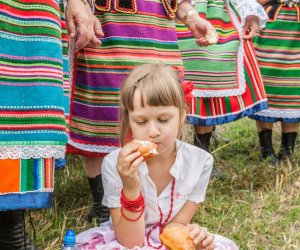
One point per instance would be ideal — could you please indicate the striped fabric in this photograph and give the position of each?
(33, 73)
(28, 185)
(212, 105)
(227, 54)
(278, 52)
(130, 39)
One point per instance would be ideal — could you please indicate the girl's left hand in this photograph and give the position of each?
(202, 239)
(251, 27)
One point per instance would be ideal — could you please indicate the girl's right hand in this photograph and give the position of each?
(128, 162)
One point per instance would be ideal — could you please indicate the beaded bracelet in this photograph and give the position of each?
(135, 206)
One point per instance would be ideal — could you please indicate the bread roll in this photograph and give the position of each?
(177, 238)
(146, 148)
(212, 37)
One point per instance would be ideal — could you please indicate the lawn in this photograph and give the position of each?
(255, 204)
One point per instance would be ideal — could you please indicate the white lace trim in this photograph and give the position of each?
(32, 151)
(271, 112)
(240, 67)
(92, 147)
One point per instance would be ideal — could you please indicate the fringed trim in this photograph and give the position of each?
(102, 5)
(123, 6)
(130, 6)
(170, 7)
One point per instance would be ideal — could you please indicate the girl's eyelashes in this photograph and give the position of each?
(140, 122)
(163, 120)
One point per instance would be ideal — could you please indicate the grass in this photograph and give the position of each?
(256, 204)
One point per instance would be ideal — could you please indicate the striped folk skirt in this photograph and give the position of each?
(278, 52)
(227, 81)
(33, 73)
(147, 36)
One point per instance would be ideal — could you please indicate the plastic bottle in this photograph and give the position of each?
(69, 240)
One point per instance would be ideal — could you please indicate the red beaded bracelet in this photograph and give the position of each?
(135, 206)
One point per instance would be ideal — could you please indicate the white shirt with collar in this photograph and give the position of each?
(191, 170)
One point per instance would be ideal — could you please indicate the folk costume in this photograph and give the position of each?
(227, 82)
(33, 72)
(278, 49)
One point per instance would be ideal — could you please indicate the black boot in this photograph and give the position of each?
(266, 147)
(287, 146)
(202, 140)
(12, 231)
(98, 211)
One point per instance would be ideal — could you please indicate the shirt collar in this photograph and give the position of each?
(175, 169)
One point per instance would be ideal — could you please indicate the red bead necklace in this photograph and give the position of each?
(161, 224)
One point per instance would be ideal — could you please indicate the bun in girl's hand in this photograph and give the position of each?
(177, 238)
(146, 148)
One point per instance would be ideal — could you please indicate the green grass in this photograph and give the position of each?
(256, 204)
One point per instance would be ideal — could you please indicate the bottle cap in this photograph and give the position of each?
(70, 238)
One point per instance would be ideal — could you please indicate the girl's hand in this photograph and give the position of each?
(127, 164)
(201, 238)
(251, 27)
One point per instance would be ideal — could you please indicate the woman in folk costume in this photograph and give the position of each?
(136, 32)
(33, 72)
(226, 78)
(278, 52)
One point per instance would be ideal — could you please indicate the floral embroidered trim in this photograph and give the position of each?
(170, 7)
(126, 6)
(102, 5)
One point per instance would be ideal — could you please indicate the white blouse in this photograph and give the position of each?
(250, 7)
(191, 170)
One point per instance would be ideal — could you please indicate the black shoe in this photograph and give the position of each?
(266, 147)
(98, 212)
(287, 146)
(12, 231)
(202, 140)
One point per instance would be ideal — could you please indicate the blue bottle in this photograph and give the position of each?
(69, 240)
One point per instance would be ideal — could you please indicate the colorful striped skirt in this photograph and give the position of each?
(147, 36)
(278, 52)
(32, 115)
(227, 81)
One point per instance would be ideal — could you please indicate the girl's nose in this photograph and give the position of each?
(153, 131)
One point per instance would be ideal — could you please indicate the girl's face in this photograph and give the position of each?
(156, 124)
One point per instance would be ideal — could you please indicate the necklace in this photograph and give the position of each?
(160, 223)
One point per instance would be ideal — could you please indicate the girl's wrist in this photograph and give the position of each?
(131, 194)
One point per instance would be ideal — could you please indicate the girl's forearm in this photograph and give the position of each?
(130, 233)
(186, 13)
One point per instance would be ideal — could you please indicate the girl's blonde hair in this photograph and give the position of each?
(159, 85)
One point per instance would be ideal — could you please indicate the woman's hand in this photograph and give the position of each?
(201, 238)
(200, 28)
(82, 24)
(128, 162)
(251, 27)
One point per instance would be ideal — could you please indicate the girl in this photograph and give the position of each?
(144, 197)
(278, 49)
(226, 76)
